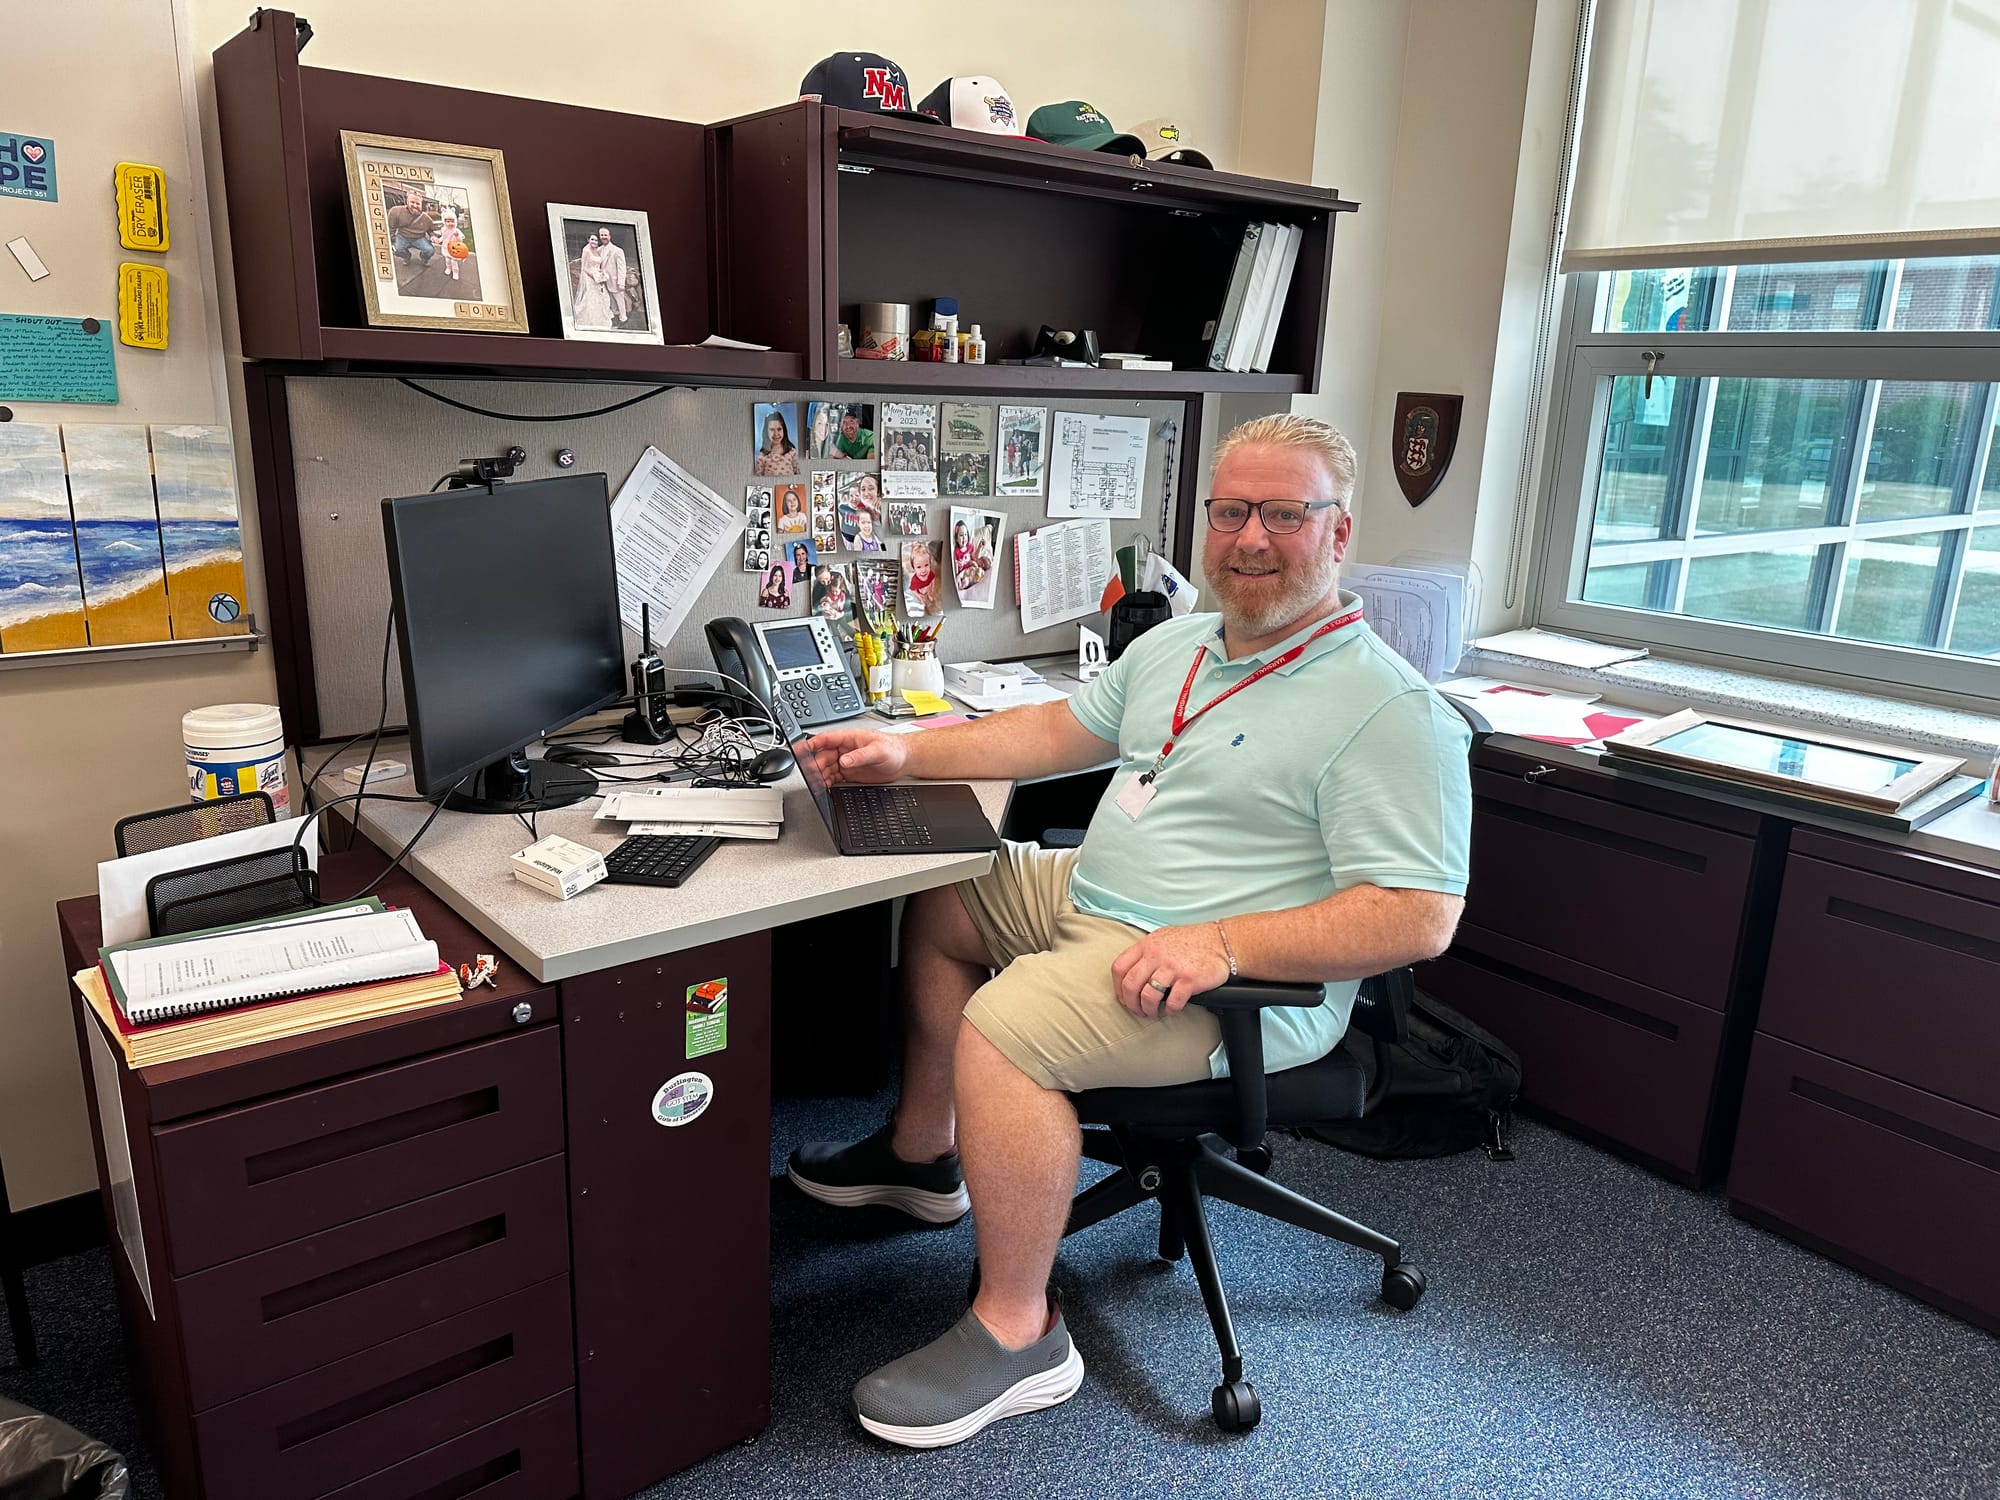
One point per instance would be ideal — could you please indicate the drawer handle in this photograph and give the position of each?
(523, 1013)
(364, 1274)
(390, 1130)
(1537, 774)
(365, 1404)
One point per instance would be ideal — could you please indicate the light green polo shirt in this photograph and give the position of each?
(1343, 768)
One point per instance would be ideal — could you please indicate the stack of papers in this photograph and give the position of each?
(265, 980)
(1419, 613)
(714, 812)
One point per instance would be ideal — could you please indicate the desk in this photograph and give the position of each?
(389, 1259)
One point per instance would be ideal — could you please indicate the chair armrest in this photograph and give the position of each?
(1236, 1004)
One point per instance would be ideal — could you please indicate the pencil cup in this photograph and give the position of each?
(917, 670)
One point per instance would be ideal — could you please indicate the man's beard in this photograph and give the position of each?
(1262, 606)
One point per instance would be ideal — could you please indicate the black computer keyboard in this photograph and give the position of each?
(884, 817)
(657, 858)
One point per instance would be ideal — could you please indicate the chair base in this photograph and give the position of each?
(1180, 1174)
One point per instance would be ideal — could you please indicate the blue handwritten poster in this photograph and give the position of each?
(56, 359)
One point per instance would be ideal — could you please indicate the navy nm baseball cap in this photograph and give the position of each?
(862, 80)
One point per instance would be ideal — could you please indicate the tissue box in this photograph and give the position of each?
(981, 679)
(558, 866)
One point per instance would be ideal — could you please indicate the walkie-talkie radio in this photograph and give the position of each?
(648, 723)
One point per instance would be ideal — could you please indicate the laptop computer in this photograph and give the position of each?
(929, 817)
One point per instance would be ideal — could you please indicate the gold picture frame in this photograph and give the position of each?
(1845, 772)
(442, 254)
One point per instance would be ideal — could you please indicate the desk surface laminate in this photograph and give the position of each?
(746, 886)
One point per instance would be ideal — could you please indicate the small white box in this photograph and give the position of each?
(981, 679)
(558, 866)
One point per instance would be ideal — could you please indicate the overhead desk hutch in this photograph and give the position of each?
(521, 1320)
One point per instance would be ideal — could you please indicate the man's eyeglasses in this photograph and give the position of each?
(1278, 517)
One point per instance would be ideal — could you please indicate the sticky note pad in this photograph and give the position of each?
(56, 359)
(142, 206)
(142, 305)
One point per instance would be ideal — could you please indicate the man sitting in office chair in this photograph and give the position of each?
(1292, 804)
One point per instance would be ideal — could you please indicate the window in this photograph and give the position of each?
(1791, 463)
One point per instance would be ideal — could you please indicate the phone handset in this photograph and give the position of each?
(734, 647)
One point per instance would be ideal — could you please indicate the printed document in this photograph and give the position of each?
(1418, 613)
(1060, 571)
(670, 532)
(1099, 468)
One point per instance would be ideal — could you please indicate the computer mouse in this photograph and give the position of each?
(772, 765)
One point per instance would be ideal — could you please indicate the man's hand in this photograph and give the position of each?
(857, 755)
(1164, 970)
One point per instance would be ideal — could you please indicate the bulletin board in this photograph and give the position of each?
(120, 522)
(356, 441)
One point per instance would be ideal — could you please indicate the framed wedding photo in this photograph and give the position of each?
(434, 234)
(604, 274)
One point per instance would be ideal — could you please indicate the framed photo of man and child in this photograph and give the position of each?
(604, 274)
(434, 234)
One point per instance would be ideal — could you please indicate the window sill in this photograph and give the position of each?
(1663, 686)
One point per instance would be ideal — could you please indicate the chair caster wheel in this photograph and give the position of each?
(1402, 1286)
(1235, 1406)
(1256, 1158)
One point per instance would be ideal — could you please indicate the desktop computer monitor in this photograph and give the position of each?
(506, 611)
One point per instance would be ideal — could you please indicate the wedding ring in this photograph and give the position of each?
(1154, 984)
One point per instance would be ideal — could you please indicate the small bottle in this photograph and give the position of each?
(975, 347)
(944, 321)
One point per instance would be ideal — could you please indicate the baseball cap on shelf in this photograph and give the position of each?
(1163, 142)
(1075, 123)
(973, 104)
(861, 80)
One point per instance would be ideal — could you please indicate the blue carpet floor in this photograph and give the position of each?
(1590, 1331)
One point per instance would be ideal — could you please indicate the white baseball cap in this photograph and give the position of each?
(973, 104)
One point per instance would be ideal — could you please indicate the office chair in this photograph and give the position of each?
(1199, 1140)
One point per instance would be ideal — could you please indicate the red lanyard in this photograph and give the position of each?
(1182, 718)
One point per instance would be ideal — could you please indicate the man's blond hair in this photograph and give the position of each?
(1285, 430)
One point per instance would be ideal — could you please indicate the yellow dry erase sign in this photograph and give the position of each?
(142, 206)
(142, 305)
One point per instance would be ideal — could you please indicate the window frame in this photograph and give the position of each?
(1587, 360)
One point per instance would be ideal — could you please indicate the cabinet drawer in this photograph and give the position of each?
(1628, 1063)
(285, 1311)
(1896, 1181)
(344, 1421)
(1900, 977)
(528, 1456)
(250, 1178)
(1652, 898)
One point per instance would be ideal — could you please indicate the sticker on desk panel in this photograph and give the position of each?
(27, 167)
(683, 1099)
(707, 1018)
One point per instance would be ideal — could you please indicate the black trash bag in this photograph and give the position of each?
(42, 1459)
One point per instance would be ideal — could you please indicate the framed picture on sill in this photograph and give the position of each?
(434, 234)
(1837, 770)
(604, 274)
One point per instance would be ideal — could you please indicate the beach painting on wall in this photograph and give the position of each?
(41, 600)
(116, 534)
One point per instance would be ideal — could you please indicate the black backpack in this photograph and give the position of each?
(1450, 1087)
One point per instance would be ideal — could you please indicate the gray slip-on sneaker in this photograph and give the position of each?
(965, 1381)
(869, 1171)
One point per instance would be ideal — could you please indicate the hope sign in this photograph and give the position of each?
(27, 167)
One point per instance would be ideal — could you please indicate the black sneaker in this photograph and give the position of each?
(869, 1171)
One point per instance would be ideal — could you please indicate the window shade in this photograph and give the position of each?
(1746, 131)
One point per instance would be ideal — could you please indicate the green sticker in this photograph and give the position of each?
(707, 1017)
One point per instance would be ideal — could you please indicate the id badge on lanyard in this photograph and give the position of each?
(1139, 790)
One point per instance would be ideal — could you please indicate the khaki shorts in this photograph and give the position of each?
(1052, 1010)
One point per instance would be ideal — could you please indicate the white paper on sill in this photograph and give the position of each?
(717, 341)
(1564, 650)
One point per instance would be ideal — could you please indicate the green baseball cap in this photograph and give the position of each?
(1075, 123)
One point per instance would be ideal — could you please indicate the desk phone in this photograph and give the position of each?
(793, 662)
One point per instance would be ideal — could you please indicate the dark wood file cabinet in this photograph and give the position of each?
(1613, 935)
(355, 1247)
(1871, 1114)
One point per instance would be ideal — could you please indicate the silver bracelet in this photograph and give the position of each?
(1227, 951)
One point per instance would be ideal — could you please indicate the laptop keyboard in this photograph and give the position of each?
(884, 817)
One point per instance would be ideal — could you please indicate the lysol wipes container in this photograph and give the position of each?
(234, 748)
